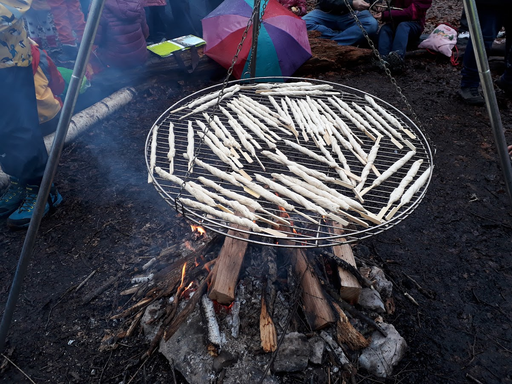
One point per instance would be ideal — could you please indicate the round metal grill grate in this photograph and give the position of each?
(300, 226)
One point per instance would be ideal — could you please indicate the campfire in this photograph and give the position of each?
(229, 307)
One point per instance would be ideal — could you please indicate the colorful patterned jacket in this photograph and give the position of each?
(14, 45)
(48, 83)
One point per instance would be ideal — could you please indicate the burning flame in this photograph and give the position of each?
(182, 276)
(198, 229)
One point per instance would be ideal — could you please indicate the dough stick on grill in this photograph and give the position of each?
(217, 172)
(388, 116)
(316, 199)
(411, 191)
(300, 92)
(340, 171)
(371, 158)
(355, 147)
(282, 190)
(342, 205)
(248, 202)
(388, 129)
(221, 135)
(267, 116)
(283, 116)
(211, 103)
(152, 155)
(310, 153)
(318, 184)
(197, 193)
(247, 112)
(256, 189)
(282, 159)
(278, 188)
(240, 208)
(172, 150)
(298, 117)
(244, 138)
(221, 155)
(378, 124)
(208, 97)
(223, 215)
(398, 191)
(190, 146)
(278, 85)
(295, 87)
(388, 172)
(285, 107)
(266, 194)
(214, 139)
(253, 127)
(346, 111)
(335, 146)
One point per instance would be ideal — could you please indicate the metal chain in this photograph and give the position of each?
(386, 69)
(258, 2)
(219, 98)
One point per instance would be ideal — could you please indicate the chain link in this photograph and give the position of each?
(223, 87)
(383, 63)
(258, 27)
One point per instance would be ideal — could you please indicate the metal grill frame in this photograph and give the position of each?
(322, 239)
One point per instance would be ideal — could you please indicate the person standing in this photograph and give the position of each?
(334, 20)
(23, 155)
(122, 34)
(493, 15)
(70, 25)
(156, 20)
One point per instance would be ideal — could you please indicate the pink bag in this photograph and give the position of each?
(441, 40)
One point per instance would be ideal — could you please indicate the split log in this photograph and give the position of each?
(227, 267)
(350, 287)
(347, 334)
(268, 333)
(317, 310)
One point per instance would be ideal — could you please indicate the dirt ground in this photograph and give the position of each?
(457, 245)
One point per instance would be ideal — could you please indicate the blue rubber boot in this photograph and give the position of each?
(12, 198)
(22, 216)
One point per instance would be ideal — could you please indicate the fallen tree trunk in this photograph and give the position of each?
(87, 118)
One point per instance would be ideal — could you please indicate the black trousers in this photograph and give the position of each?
(22, 150)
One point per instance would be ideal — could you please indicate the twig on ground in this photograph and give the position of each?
(468, 376)
(85, 281)
(18, 368)
(102, 288)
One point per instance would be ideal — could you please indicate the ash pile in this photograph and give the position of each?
(222, 310)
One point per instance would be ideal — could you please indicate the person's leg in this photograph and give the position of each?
(159, 23)
(490, 25)
(351, 33)
(385, 39)
(505, 80)
(406, 32)
(21, 143)
(325, 23)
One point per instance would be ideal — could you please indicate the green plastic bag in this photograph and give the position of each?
(66, 75)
